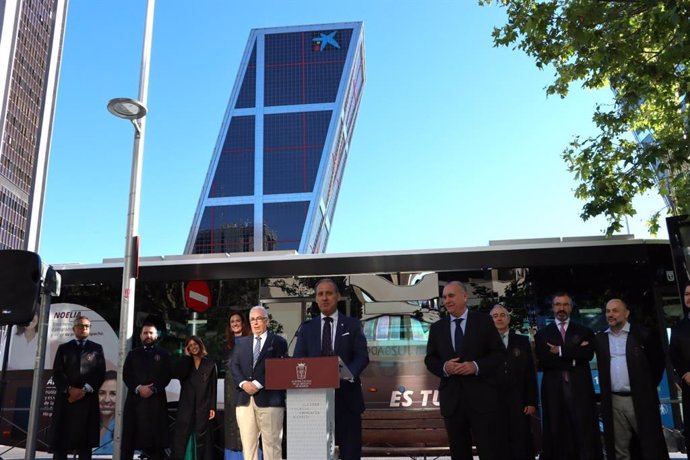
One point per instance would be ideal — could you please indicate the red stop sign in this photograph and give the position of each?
(197, 296)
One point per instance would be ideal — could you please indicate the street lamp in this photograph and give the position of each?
(135, 111)
(129, 109)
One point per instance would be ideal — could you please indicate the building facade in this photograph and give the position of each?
(31, 36)
(274, 178)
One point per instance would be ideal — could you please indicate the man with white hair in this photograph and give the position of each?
(517, 385)
(259, 411)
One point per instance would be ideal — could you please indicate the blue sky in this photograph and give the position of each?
(456, 142)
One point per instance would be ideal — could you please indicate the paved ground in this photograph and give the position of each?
(17, 453)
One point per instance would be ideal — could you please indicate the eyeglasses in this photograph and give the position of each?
(83, 326)
(256, 320)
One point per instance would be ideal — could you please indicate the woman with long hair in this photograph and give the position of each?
(107, 394)
(237, 326)
(197, 406)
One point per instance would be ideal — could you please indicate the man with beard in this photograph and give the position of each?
(146, 374)
(517, 387)
(569, 422)
(78, 372)
(631, 364)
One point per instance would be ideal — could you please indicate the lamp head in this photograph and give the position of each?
(124, 107)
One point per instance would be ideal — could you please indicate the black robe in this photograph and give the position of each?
(76, 425)
(232, 431)
(517, 385)
(645, 359)
(145, 423)
(569, 421)
(679, 351)
(197, 398)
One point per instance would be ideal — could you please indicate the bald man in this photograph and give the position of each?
(631, 364)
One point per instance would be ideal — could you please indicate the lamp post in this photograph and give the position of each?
(135, 111)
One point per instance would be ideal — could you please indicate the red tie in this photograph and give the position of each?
(566, 377)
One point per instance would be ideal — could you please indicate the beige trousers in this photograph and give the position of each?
(624, 425)
(265, 421)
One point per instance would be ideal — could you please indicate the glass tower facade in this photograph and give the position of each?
(275, 174)
(31, 36)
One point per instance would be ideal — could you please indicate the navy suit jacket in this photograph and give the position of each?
(242, 369)
(350, 345)
(481, 344)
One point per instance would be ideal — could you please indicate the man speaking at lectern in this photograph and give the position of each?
(334, 334)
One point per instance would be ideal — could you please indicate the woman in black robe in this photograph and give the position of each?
(197, 406)
(237, 327)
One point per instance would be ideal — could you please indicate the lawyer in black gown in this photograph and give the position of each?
(679, 350)
(78, 372)
(517, 387)
(146, 374)
(197, 405)
(569, 421)
(237, 327)
(631, 364)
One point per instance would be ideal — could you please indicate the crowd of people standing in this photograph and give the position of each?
(488, 380)
(487, 375)
(253, 415)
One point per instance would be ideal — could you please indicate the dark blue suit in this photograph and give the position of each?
(275, 347)
(265, 416)
(351, 345)
(469, 402)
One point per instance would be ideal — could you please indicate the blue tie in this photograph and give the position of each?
(257, 350)
(327, 337)
(458, 335)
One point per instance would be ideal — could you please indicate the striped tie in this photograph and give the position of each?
(257, 350)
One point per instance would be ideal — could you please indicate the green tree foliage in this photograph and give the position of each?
(641, 49)
(517, 296)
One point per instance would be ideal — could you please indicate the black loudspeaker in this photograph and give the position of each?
(20, 286)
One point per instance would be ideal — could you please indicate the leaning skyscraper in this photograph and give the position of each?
(31, 35)
(275, 174)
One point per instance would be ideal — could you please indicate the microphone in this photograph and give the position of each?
(296, 334)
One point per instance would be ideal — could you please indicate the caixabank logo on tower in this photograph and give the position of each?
(324, 41)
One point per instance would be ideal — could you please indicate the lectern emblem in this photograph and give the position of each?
(301, 370)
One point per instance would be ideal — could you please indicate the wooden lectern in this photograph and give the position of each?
(310, 403)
